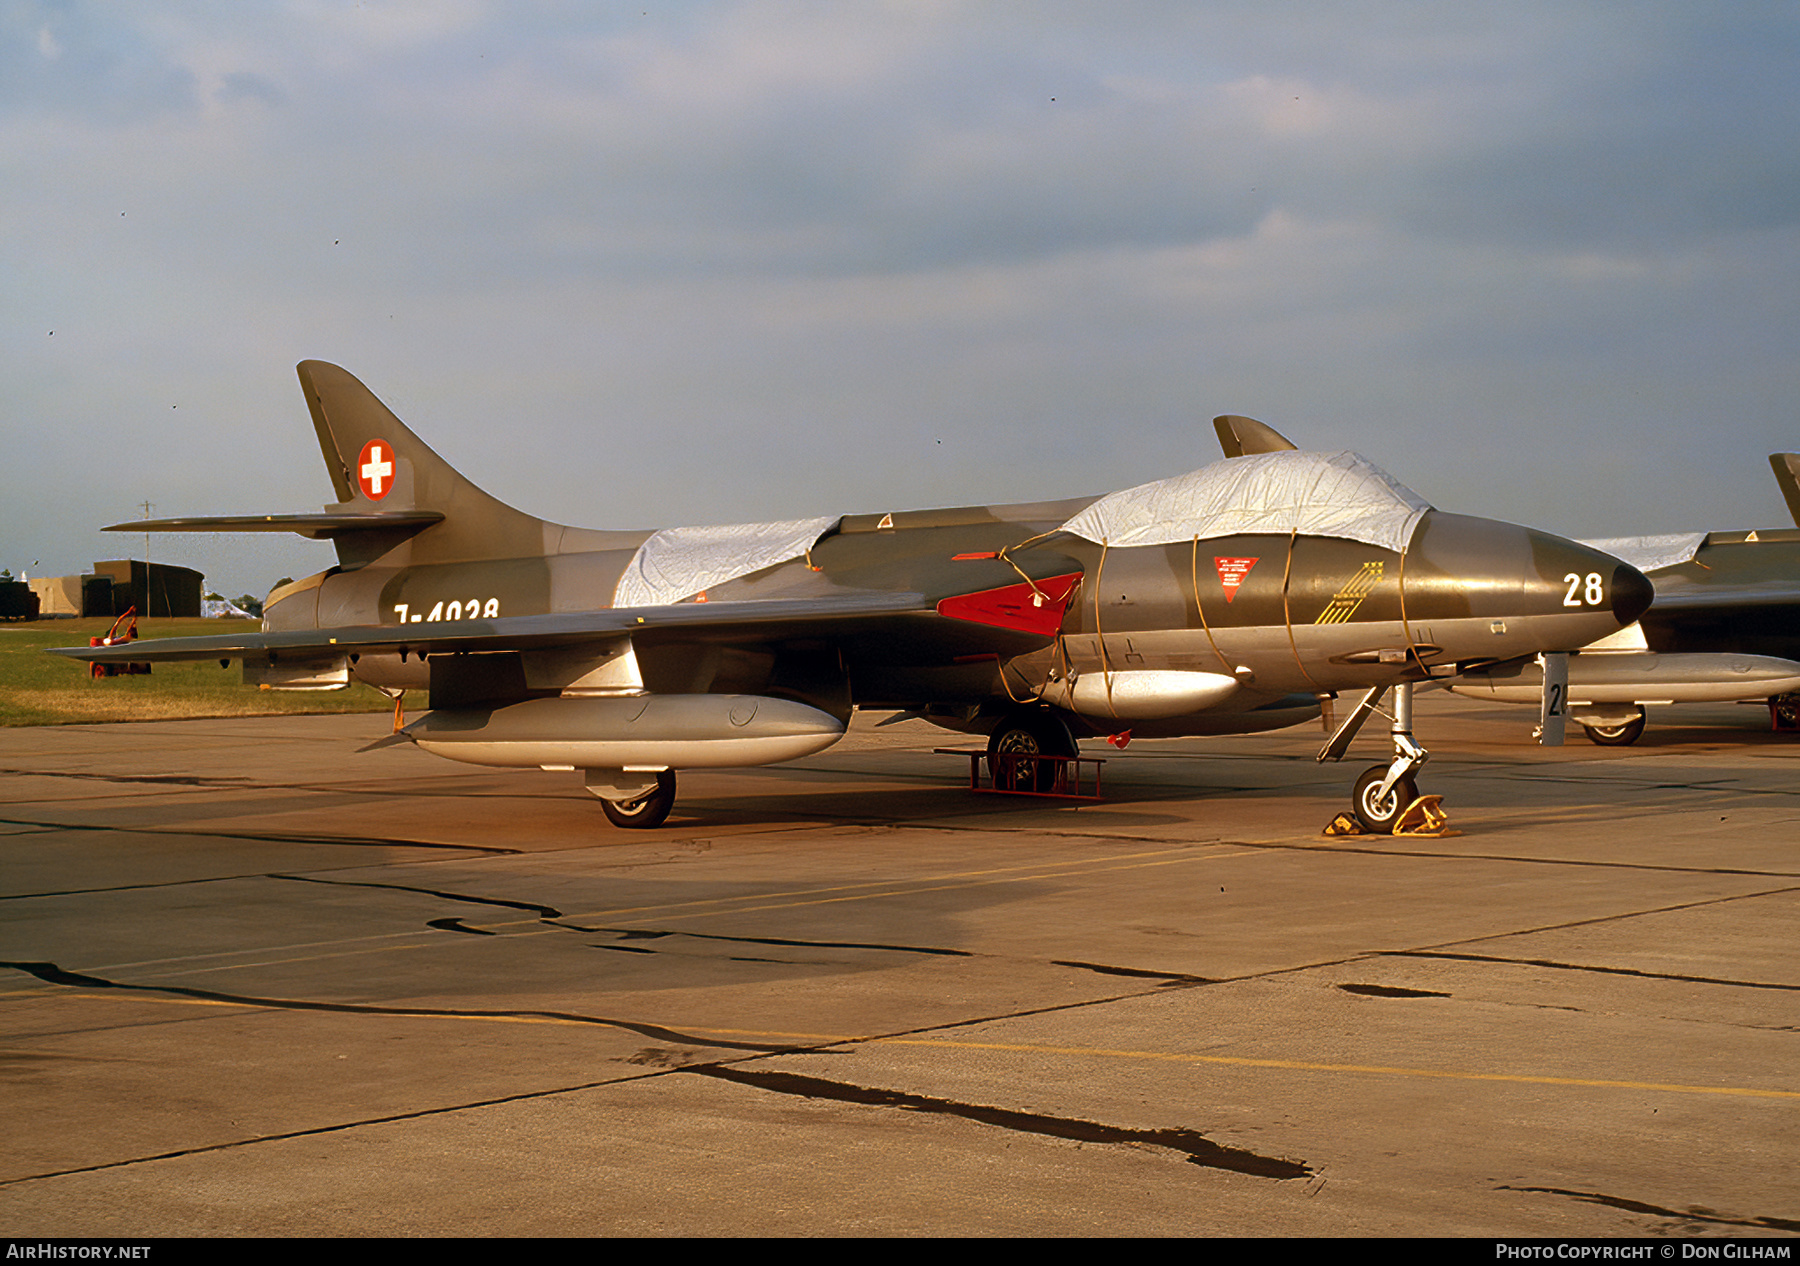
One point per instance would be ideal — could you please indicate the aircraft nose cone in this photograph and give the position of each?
(1520, 590)
(1632, 594)
(1574, 578)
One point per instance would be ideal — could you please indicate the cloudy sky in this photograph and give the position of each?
(630, 265)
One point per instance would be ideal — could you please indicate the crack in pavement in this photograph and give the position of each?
(1587, 967)
(550, 916)
(456, 925)
(1167, 977)
(335, 1128)
(542, 911)
(180, 780)
(266, 837)
(644, 933)
(1694, 1213)
(1199, 1149)
(51, 974)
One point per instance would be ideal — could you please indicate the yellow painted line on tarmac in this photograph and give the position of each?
(992, 874)
(374, 1010)
(1295, 1065)
(875, 889)
(811, 1039)
(1082, 1052)
(313, 958)
(701, 908)
(362, 1010)
(418, 938)
(904, 889)
(423, 935)
(134, 996)
(426, 940)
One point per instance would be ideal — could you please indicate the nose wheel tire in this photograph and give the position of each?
(647, 810)
(1034, 733)
(1379, 813)
(1621, 735)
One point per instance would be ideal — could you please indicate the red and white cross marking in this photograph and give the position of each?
(375, 469)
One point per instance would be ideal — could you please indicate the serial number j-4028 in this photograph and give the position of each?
(473, 609)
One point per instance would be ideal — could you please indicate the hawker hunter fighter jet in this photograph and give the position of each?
(1228, 600)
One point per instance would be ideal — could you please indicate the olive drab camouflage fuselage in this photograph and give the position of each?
(758, 641)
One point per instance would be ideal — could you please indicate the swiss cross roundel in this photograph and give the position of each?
(375, 469)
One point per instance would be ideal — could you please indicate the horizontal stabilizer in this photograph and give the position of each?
(313, 526)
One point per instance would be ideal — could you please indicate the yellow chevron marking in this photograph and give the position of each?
(1344, 603)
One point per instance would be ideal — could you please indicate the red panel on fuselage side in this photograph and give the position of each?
(1020, 607)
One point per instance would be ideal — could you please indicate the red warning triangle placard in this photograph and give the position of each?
(1232, 572)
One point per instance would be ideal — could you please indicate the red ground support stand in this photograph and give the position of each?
(1784, 714)
(114, 638)
(1020, 773)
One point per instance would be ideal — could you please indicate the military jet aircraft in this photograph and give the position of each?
(1725, 627)
(1228, 600)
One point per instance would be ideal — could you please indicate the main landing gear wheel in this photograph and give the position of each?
(647, 810)
(1621, 735)
(1379, 813)
(1038, 732)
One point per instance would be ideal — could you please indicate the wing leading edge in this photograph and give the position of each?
(953, 625)
(527, 632)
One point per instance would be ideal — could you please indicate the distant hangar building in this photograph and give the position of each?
(155, 589)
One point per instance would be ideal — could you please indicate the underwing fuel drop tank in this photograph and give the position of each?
(656, 731)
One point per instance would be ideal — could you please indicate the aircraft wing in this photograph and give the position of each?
(989, 623)
(727, 620)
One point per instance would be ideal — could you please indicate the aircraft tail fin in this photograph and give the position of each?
(379, 467)
(1787, 473)
(1239, 436)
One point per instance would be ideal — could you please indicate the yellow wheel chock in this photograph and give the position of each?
(1424, 817)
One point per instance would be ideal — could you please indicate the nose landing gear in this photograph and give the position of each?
(1386, 800)
(1379, 810)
